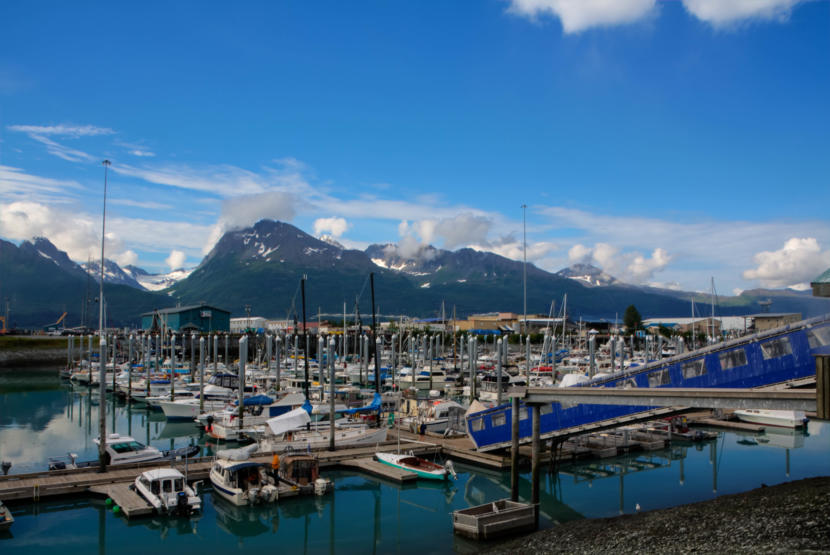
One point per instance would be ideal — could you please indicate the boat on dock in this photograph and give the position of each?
(240, 480)
(779, 418)
(422, 467)
(124, 450)
(167, 491)
(6, 518)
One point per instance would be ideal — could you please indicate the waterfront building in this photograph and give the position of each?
(201, 318)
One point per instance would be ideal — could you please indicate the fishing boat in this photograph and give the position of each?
(780, 418)
(167, 491)
(755, 360)
(240, 480)
(422, 467)
(6, 518)
(293, 431)
(124, 450)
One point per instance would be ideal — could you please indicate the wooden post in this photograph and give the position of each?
(514, 452)
(535, 464)
(823, 387)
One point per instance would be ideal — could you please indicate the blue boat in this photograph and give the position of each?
(757, 360)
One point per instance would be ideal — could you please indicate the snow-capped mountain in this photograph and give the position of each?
(156, 282)
(112, 273)
(588, 275)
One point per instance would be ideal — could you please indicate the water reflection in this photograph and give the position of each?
(40, 421)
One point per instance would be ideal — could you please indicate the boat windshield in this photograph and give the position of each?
(126, 446)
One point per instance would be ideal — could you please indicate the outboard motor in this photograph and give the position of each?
(451, 469)
(6, 467)
(182, 506)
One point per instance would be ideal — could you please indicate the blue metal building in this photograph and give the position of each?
(195, 318)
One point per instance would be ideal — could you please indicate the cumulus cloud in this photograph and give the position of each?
(452, 232)
(632, 267)
(579, 15)
(126, 258)
(794, 265)
(176, 259)
(721, 12)
(245, 211)
(70, 232)
(510, 247)
(333, 226)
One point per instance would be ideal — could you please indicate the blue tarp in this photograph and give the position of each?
(307, 406)
(256, 400)
(371, 407)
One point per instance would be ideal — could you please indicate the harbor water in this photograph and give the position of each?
(43, 417)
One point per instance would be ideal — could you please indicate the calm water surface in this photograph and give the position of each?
(41, 417)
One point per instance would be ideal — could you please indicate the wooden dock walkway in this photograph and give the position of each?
(130, 502)
(386, 472)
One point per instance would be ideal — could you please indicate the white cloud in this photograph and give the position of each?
(142, 153)
(793, 265)
(725, 12)
(14, 182)
(73, 131)
(62, 151)
(126, 258)
(511, 248)
(148, 204)
(176, 259)
(70, 232)
(463, 229)
(245, 211)
(631, 267)
(334, 226)
(579, 15)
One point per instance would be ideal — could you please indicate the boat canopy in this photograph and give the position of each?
(240, 466)
(256, 400)
(371, 407)
(291, 420)
(240, 454)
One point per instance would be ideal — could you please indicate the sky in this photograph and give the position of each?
(667, 143)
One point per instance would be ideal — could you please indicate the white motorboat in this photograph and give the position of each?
(780, 418)
(240, 480)
(6, 518)
(125, 450)
(293, 431)
(167, 491)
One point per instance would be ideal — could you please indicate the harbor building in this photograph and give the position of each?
(821, 286)
(194, 318)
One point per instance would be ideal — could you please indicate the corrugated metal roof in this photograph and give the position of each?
(823, 278)
(178, 309)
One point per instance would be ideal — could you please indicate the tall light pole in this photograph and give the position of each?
(102, 360)
(524, 268)
(106, 164)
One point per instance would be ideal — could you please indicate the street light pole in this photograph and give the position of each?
(524, 268)
(102, 359)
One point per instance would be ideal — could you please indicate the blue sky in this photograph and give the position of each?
(666, 142)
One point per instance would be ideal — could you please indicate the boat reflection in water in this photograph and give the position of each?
(246, 521)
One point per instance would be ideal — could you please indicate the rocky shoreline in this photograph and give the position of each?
(793, 517)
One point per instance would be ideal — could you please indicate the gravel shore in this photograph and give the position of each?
(788, 518)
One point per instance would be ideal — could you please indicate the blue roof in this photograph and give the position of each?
(246, 464)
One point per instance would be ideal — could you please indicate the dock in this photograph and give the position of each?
(130, 503)
(378, 470)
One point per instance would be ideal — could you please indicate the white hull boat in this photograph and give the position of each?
(167, 491)
(780, 418)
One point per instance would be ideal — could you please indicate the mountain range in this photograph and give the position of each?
(261, 267)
